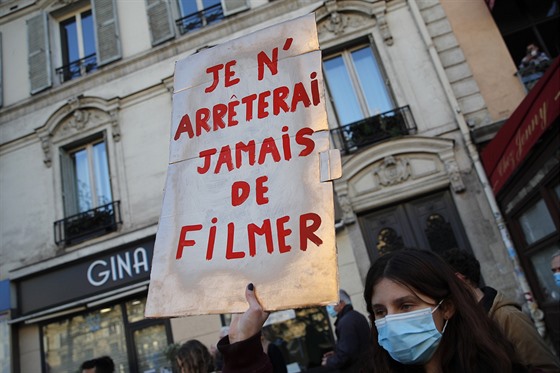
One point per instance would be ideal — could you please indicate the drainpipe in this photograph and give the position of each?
(536, 314)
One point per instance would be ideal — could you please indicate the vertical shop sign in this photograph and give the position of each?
(248, 195)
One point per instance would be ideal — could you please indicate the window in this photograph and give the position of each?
(89, 208)
(303, 336)
(78, 46)
(522, 22)
(196, 14)
(356, 85)
(88, 37)
(86, 178)
(362, 101)
(119, 331)
(536, 230)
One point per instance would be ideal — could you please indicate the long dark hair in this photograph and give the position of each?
(195, 357)
(471, 342)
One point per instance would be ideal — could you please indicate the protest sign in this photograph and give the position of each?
(248, 195)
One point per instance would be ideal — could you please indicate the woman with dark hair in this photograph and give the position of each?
(194, 357)
(426, 320)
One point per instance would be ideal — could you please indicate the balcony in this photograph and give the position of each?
(77, 68)
(394, 123)
(88, 224)
(200, 19)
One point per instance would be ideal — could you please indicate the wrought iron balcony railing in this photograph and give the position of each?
(88, 224)
(77, 68)
(200, 19)
(397, 122)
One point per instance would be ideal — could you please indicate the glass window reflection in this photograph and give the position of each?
(70, 342)
(536, 222)
(371, 81)
(356, 85)
(341, 89)
(542, 266)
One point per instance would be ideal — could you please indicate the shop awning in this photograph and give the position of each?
(519, 134)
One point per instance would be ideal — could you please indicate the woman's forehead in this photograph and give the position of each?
(388, 291)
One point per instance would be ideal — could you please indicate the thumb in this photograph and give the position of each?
(252, 298)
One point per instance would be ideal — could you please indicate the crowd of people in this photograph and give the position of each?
(426, 316)
(427, 313)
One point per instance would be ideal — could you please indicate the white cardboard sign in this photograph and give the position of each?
(248, 195)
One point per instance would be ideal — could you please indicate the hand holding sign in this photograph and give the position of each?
(244, 326)
(248, 196)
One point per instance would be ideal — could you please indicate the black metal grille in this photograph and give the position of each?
(200, 19)
(88, 224)
(77, 68)
(397, 122)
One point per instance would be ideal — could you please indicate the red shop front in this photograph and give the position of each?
(523, 163)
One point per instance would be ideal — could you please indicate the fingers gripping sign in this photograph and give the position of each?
(249, 323)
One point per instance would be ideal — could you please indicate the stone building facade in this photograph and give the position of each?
(86, 93)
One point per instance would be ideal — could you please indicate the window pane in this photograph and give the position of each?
(70, 342)
(371, 81)
(101, 169)
(88, 33)
(150, 344)
(83, 185)
(536, 222)
(542, 265)
(209, 3)
(70, 41)
(342, 91)
(188, 7)
(135, 310)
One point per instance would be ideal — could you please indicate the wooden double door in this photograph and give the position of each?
(430, 223)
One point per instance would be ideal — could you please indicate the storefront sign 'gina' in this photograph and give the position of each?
(118, 266)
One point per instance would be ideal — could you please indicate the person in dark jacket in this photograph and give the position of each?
(352, 336)
(274, 353)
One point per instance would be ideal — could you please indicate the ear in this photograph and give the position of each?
(447, 309)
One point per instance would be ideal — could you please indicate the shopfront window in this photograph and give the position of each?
(68, 343)
(118, 331)
(302, 335)
(149, 344)
(536, 222)
(541, 265)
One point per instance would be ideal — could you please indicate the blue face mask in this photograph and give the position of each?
(331, 311)
(410, 338)
(557, 278)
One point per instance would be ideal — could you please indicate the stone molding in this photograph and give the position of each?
(396, 170)
(77, 116)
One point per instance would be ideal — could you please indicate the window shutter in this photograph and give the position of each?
(106, 31)
(39, 54)
(159, 19)
(69, 192)
(234, 6)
